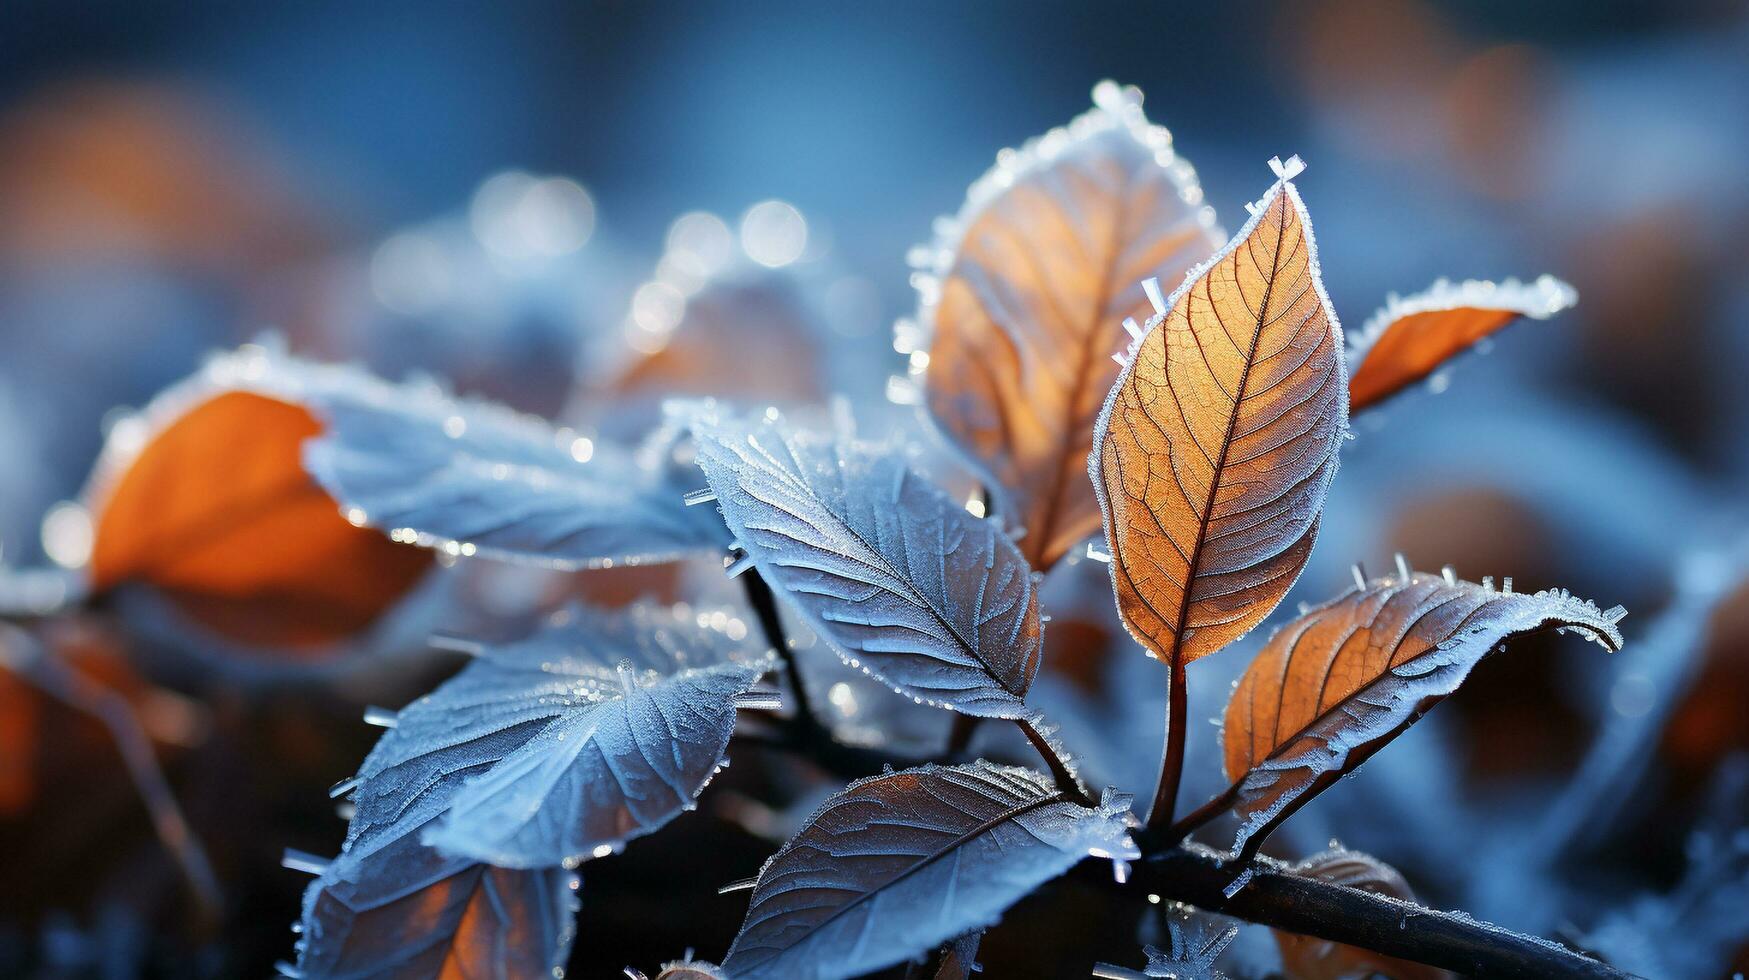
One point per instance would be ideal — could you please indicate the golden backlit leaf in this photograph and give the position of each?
(1025, 296)
(1410, 338)
(1217, 444)
(1337, 684)
(204, 497)
(1311, 958)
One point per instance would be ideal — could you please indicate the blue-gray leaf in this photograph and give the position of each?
(476, 478)
(900, 579)
(899, 864)
(600, 728)
(408, 911)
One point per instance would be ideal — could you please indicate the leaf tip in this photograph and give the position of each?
(1292, 168)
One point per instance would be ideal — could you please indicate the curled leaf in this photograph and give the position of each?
(407, 911)
(1024, 294)
(1410, 338)
(598, 729)
(899, 578)
(898, 864)
(476, 478)
(1320, 959)
(1340, 682)
(203, 497)
(1217, 443)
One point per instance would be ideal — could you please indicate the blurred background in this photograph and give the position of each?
(532, 200)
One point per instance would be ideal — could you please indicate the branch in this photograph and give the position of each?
(1195, 875)
(25, 656)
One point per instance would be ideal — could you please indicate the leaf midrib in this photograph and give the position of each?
(1216, 475)
(1013, 813)
(881, 564)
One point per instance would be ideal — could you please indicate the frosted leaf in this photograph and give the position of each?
(1409, 339)
(1218, 442)
(897, 576)
(1338, 683)
(899, 864)
(407, 911)
(476, 478)
(598, 729)
(1027, 293)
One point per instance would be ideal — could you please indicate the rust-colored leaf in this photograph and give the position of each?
(1036, 276)
(1410, 338)
(205, 498)
(1311, 958)
(1216, 445)
(1337, 684)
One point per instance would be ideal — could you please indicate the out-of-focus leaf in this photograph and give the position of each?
(1697, 928)
(899, 864)
(600, 728)
(1024, 295)
(761, 321)
(1215, 447)
(1312, 958)
(1410, 338)
(475, 478)
(408, 911)
(1192, 954)
(1340, 682)
(204, 497)
(900, 579)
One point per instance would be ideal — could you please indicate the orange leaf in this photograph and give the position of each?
(1310, 958)
(1410, 338)
(1218, 441)
(1337, 684)
(1043, 265)
(205, 499)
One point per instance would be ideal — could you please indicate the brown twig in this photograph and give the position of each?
(765, 607)
(1197, 876)
(24, 654)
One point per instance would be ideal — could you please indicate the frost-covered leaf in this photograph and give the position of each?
(712, 324)
(1215, 447)
(407, 911)
(1321, 959)
(1023, 297)
(1410, 338)
(600, 728)
(1191, 956)
(203, 497)
(898, 864)
(477, 478)
(899, 578)
(1338, 683)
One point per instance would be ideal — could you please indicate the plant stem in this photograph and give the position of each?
(765, 607)
(1200, 816)
(23, 654)
(1172, 766)
(959, 737)
(1197, 876)
(1065, 780)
